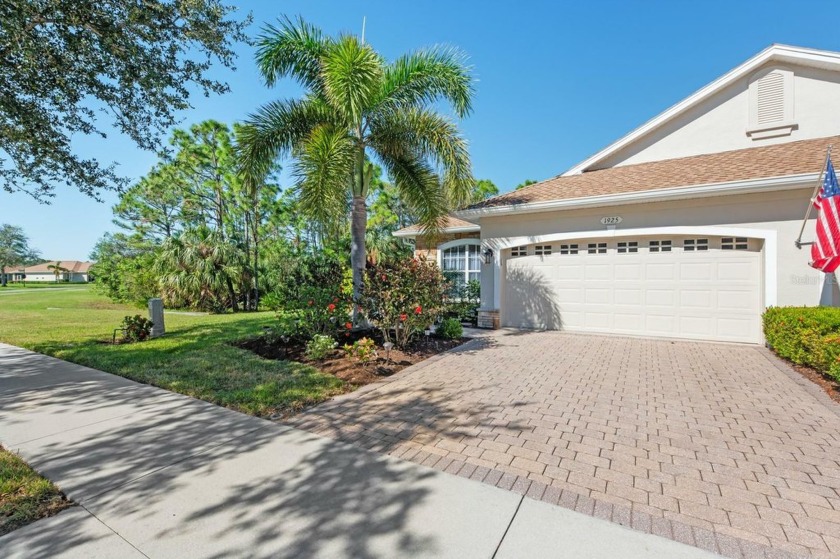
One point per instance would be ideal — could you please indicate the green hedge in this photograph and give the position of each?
(806, 335)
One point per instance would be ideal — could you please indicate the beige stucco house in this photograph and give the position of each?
(73, 271)
(684, 228)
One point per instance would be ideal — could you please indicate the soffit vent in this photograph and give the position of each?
(771, 98)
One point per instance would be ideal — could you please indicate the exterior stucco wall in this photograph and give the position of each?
(720, 123)
(74, 277)
(796, 284)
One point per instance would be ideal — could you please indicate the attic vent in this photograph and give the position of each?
(771, 98)
(771, 104)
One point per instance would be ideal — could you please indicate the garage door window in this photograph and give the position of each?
(596, 248)
(462, 264)
(542, 250)
(734, 243)
(519, 251)
(628, 246)
(695, 244)
(659, 246)
(568, 249)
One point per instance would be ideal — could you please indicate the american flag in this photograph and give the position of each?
(825, 252)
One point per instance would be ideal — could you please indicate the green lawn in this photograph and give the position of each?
(193, 358)
(25, 496)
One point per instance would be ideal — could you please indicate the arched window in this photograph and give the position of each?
(461, 261)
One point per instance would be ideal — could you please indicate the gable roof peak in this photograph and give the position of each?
(776, 52)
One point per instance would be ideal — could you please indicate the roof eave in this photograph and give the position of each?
(445, 231)
(782, 53)
(750, 186)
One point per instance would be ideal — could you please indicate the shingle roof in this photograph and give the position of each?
(451, 223)
(792, 158)
(70, 265)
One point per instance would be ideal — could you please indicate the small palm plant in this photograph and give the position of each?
(357, 107)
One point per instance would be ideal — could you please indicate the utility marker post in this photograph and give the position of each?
(156, 316)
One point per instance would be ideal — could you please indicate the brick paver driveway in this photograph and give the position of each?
(719, 446)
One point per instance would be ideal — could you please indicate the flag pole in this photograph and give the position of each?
(798, 242)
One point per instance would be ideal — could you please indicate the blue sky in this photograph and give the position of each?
(556, 81)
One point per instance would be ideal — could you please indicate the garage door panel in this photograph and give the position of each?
(741, 271)
(598, 296)
(628, 272)
(598, 272)
(694, 271)
(661, 271)
(628, 296)
(696, 298)
(712, 295)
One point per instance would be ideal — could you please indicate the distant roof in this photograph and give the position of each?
(451, 225)
(70, 265)
(778, 160)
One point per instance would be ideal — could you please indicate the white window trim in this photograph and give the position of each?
(769, 236)
(456, 243)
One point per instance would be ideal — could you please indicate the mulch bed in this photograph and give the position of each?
(828, 384)
(347, 368)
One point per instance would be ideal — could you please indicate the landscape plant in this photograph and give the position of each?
(363, 350)
(402, 298)
(320, 347)
(450, 329)
(358, 108)
(14, 249)
(806, 336)
(136, 328)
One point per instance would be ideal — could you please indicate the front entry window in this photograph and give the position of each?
(462, 264)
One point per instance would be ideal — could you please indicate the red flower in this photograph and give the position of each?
(347, 334)
(331, 307)
(383, 277)
(348, 325)
(310, 302)
(418, 309)
(403, 317)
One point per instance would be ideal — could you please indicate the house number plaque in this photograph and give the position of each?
(614, 220)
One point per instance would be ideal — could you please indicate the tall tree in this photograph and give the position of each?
(358, 107)
(14, 249)
(483, 189)
(152, 206)
(63, 63)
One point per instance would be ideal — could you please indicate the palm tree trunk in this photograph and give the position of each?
(358, 226)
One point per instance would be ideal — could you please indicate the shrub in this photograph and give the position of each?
(806, 335)
(364, 350)
(463, 301)
(402, 298)
(450, 329)
(319, 304)
(319, 347)
(136, 328)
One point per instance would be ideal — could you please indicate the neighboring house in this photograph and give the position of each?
(683, 228)
(73, 271)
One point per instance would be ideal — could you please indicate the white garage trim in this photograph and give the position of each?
(768, 235)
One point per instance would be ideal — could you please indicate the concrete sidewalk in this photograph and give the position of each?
(157, 474)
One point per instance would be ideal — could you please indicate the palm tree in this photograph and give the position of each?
(57, 270)
(198, 268)
(359, 108)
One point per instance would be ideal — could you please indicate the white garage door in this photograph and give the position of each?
(706, 288)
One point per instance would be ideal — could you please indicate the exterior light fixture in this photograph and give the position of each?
(487, 255)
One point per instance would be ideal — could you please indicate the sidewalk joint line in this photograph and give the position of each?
(120, 536)
(507, 529)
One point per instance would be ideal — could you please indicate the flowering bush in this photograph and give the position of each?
(364, 350)
(136, 328)
(403, 297)
(319, 347)
(320, 311)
